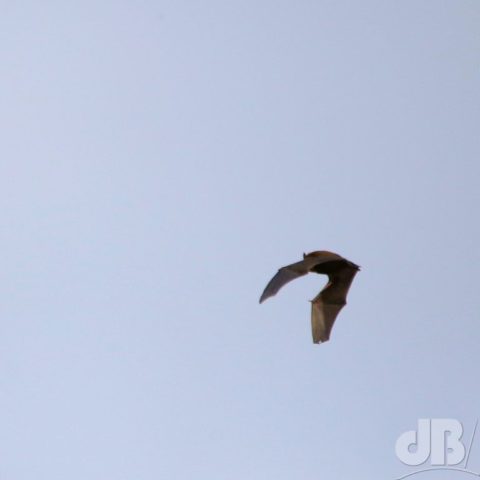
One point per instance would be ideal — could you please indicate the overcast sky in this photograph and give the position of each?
(160, 160)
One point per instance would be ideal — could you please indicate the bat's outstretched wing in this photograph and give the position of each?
(328, 303)
(283, 276)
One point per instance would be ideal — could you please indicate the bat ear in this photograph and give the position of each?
(304, 255)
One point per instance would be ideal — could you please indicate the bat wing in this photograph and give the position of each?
(327, 304)
(323, 318)
(283, 276)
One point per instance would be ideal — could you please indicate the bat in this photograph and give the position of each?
(331, 299)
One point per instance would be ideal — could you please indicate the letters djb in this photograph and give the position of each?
(437, 438)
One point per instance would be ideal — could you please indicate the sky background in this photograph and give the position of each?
(160, 160)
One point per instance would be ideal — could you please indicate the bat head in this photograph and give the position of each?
(316, 253)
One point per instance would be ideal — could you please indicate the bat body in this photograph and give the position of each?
(333, 297)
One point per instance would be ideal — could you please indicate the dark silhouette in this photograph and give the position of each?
(328, 303)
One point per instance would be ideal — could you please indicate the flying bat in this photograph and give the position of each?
(332, 298)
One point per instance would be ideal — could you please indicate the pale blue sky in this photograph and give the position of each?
(160, 160)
